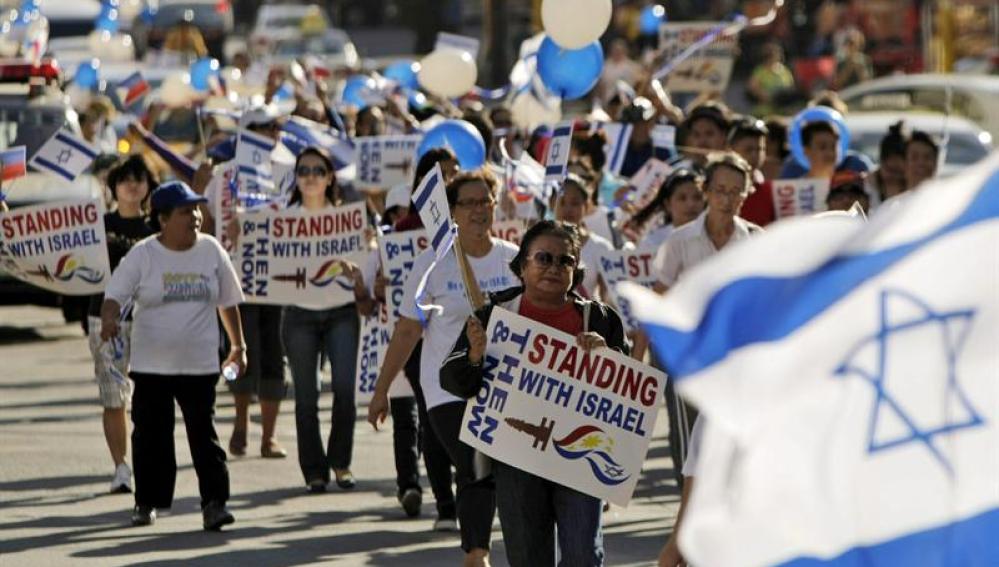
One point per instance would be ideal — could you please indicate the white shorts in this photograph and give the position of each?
(110, 368)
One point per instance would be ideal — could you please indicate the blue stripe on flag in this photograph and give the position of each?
(619, 148)
(564, 131)
(75, 144)
(254, 172)
(54, 168)
(441, 233)
(554, 170)
(428, 189)
(968, 542)
(741, 313)
(255, 142)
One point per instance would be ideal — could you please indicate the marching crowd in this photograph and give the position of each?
(175, 310)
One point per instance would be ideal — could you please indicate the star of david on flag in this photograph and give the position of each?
(253, 162)
(64, 155)
(847, 375)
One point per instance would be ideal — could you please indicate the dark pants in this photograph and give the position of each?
(681, 421)
(412, 434)
(153, 455)
(476, 497)
(531, 507)
(264, 374)
(305, 334)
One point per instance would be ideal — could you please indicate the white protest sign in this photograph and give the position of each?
(371, 348)
(398, 251)
(708, 70)
(294, 257)
(386, 161)
(795, 197)
(510, 230)
(627, 265)
(430, 200)
(583, 420)
(460, 42)
(557, 154)
(58, 246)
(664, 136)
(647, 181)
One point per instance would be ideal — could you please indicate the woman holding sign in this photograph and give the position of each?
(308, 330)
(531, 507)
(471, 197)
(178, 281)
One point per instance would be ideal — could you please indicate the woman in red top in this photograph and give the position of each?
(531, 507)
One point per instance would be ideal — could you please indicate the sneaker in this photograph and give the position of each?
(317, 486)
(143, 516)
(445, 525)
(122, 482)
(215, 516)
(411, 501)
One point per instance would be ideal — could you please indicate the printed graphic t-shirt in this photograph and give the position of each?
(445, 288)
(175, 293)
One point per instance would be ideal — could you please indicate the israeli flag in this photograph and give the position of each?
(64, 155)
(430, 200)
(255, 172)
(299, 133)
(557, 154)
(848, 378)
(618, 136)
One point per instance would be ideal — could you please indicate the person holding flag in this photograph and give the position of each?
(532, 509)
(471, 198)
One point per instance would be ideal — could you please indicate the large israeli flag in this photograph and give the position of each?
(848, 375)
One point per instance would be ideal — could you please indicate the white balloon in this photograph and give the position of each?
(176, 89)
(99, 42)
(448, 73)
(574, 24)
(528, 112)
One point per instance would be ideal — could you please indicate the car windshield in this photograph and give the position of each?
(172, 13)
(29, 127)
(304, 45)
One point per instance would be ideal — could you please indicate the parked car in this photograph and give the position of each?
(975, 97)
(213, 18)
(277, 20)
(966, 141)
(333, 48)
(30, 123)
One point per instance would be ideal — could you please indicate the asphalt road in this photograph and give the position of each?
(55, 471)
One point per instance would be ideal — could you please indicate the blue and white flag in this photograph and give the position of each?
(64, 155)
(618, 136)
(255, 173)
(848, 376)
(300, 133)
(557, 154)
(430, 200)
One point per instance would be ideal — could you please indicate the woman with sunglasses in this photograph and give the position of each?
(307, 331)
(532, 509)
(572, 204)
(471, 196)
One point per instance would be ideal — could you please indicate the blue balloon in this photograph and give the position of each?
(817, 114)
(404, 72)
(358, 90)
(569, 73)
(650, 19)
(461, 138)
(202, 71)
(87, 76)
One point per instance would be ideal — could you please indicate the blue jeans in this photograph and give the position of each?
(305, 333)
(531, 507)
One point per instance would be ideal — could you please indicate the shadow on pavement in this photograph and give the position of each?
(15, 335)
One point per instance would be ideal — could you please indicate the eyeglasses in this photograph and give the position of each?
(546, 259)
(305, 171)
(475, 203)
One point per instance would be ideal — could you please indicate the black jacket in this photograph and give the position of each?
(463, 379)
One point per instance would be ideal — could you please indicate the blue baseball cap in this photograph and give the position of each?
(174, 194)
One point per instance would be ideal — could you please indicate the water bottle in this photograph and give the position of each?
(230, 372)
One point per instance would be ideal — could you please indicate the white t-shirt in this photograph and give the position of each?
(690, 244)
(655, 238)
(445, 288)
(595, 247)
(175, 294)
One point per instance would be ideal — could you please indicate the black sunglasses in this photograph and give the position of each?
(546, 259)
(317, 170)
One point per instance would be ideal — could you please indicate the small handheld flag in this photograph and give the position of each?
(13, 163)
(64, 155)
(557, 154)
(132, 89)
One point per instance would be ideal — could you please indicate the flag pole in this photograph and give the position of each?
(474, 293)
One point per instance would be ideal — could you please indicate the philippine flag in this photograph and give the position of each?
(13, 163)
(133, 88)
